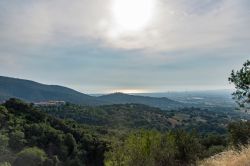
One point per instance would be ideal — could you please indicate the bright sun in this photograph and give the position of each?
(132, 15)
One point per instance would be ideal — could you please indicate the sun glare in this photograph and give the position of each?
(132, 15)
(130, 91)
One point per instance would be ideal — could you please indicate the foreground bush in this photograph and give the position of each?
(239, 133)
(149, 148)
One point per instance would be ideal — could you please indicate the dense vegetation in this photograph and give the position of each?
(30, 137)
(151, 148)
(173, 140)
(136, 116)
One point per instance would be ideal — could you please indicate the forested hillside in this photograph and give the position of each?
(31, 137)
(31, 91)
(137, 116)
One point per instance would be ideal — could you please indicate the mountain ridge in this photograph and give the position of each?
(122, 98)
(32, 91)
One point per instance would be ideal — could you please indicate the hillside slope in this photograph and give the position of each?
(137, 116)
(119, 116)
(34, 92)
(23, 129)
(121, 98)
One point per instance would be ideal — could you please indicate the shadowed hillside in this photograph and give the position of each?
(29, 137)
(121, 98)
(34, 92)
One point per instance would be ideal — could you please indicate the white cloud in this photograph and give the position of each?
(178, 25)
(182, 25)
(62, 41)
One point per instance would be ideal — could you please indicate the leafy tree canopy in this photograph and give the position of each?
(241, 80)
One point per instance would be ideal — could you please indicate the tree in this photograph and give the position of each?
(5, 164)
(241, 80)
(71, 144)
(239, 133)
(30, 157)
(4, 142)
(17, 140)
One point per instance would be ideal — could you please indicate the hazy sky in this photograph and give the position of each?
(98, 46)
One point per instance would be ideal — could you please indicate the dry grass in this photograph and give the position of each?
(229, 158)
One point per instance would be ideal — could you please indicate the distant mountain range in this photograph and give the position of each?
(36, 92)
(160, 102)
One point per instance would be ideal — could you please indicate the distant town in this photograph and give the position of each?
(50, 103)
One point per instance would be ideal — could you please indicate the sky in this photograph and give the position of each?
(97, 46)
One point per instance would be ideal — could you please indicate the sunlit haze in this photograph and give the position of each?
(125, 45)
(132, 15)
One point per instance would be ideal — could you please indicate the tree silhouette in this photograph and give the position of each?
(241, 80)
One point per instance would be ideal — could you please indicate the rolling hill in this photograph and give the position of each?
(138, 116)
(60, 142)
(160, 102)
(36, 92)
